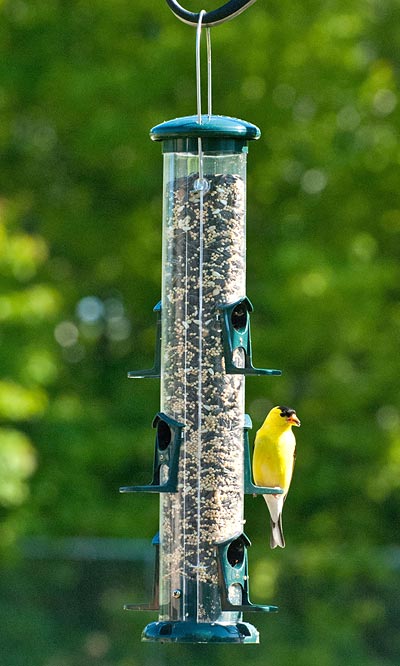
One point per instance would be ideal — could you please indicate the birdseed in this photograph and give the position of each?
(208, 507)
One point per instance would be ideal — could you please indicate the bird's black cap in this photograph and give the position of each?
(286, 411)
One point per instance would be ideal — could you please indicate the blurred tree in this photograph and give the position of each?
(27, 308)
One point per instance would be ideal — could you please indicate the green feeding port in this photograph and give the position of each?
(166, 457)
(154, 604)
(233, 573)
(249, 487)
(156, 369)
(235, 318)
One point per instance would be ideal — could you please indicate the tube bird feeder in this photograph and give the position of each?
(202, 461)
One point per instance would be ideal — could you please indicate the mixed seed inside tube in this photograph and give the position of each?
(201, 272)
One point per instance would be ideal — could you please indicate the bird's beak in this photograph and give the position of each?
(293, 420)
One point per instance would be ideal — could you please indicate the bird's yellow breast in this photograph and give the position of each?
(273, 458)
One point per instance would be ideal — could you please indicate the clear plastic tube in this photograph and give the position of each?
(204, 257)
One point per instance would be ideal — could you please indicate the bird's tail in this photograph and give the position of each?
(277, 538)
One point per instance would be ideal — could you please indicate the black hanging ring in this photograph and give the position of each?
(227, 12)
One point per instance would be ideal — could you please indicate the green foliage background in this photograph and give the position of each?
(81, 84)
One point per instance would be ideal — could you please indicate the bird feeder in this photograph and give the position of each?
(203, 353)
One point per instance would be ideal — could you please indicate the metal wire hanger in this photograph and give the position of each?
(227, 12)
(198, 68)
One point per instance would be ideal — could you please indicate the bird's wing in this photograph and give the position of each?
(294, 460)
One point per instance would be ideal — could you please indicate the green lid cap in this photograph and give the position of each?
(219, 134)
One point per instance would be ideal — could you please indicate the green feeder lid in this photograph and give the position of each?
(219, 133)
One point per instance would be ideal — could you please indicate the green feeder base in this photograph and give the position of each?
(200, 632)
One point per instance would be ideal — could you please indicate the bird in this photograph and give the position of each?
(273, 462)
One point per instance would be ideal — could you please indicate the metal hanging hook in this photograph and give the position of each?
(227, 12)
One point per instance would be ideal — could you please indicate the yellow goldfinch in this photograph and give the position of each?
(273, 461)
